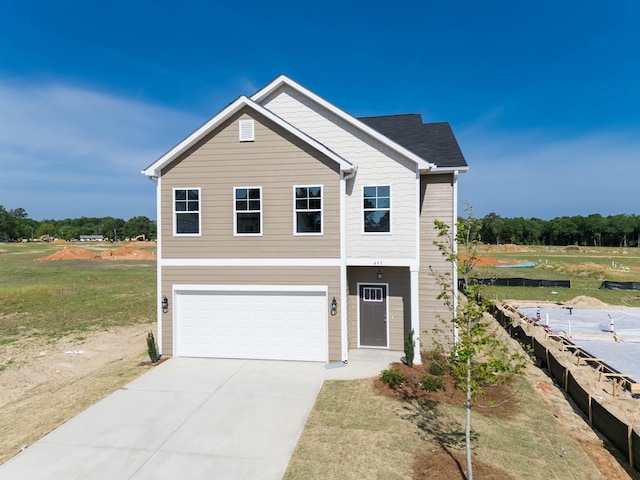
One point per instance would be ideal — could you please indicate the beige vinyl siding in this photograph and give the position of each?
(436, 203)
(398, 298)
(275, 161)
(329, 276)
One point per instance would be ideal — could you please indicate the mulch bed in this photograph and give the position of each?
(447, 463)
(496, 399)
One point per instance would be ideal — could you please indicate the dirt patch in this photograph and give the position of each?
(508, 247)
(45, 381)
(70, 253)
(496, 399)
(442, 464)
(127, 253)
(585, 301)
(484, 261)
(80, 253)
(581, 301)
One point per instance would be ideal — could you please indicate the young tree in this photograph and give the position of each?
(478, 357)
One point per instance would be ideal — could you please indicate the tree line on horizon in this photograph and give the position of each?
(16, 225)
(593, 230)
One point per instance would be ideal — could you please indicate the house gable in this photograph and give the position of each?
(273, 90)
(242, 102)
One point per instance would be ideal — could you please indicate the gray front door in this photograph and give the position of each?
(373, 315)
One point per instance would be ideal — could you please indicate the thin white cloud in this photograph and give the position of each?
(67, 151)
(537, 174)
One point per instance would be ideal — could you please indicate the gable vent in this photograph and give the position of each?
(246, 131)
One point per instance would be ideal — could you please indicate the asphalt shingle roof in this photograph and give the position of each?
(434, 142)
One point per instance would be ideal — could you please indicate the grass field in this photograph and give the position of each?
(54, 298)
(586, 267)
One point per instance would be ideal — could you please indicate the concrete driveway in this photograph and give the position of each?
(192, 419)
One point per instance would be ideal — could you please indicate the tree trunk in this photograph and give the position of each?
(468, 426)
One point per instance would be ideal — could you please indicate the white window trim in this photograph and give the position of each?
(175, 212)
(362, 209)
(246, 130)
(235, 212)
(295, 211)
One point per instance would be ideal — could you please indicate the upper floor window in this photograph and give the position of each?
(377, 209)
(248, 210)
(186, 208)
(308, 210)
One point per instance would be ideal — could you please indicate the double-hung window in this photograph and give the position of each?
(308, 210)
(376, 209)
(247, 210)
(186, 211)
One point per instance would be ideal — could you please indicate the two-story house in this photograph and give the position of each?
(290, 230)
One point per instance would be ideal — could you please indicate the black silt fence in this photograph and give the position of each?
(540, 351)
(635, 450)
(620, 285)
(616, 431)
(624, 437)
(517, 282)
(558, 371)
(579, 395)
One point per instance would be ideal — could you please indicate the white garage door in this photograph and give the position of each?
(258, 324)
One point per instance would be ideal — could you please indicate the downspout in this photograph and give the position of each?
(156, 180)
(344, 291)
(454, 184)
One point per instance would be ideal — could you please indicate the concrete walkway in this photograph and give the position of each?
(192, 419)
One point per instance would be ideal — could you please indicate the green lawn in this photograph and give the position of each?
(54, 298)
(586, 267)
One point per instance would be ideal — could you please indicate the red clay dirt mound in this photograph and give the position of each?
(79, 253)
(71, 253)
(482, 261)
(127, 253)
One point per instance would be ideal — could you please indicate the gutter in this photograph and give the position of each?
(454, 184)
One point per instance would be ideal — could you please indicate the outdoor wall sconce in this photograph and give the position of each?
(334, 306)
(379, 274)
(165, 304)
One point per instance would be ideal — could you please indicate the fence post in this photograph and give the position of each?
(630, 443)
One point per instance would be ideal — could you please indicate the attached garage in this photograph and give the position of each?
(254, 322)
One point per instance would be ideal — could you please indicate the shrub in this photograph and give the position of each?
(151, 348)
(409, 348)
(392, 377)
(432, 383)
(436, 368)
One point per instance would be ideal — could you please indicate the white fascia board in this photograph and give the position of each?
(154, 169)
(284, 80)
(441, 170)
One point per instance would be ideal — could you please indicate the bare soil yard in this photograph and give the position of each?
(46, 382)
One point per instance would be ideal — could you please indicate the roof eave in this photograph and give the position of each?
(441, 170)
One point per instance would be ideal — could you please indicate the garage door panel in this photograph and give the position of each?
(279, 325)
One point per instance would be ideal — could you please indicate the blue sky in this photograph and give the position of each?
(543, 96)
